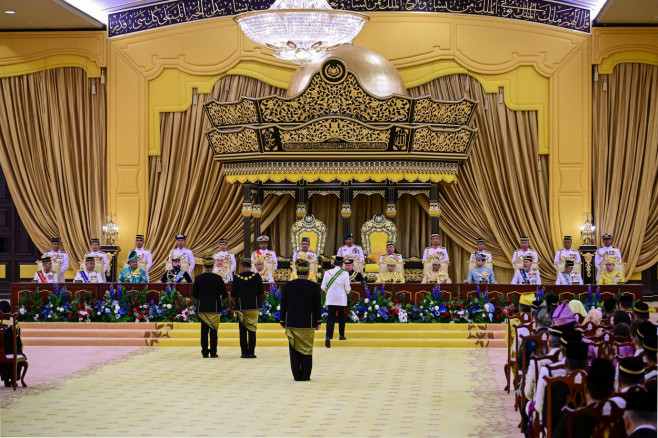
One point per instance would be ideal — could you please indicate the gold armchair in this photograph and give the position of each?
(316, 231)
(374, 235)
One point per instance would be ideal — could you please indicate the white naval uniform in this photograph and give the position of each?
(62, 257)
(532, 277)
(337, 293)
(92, 277)
(51, 277)
(354, 252)
(267, 254)
(144, 255)
(100, 256)
(184, 255)
(519, 254)
(567, 279)
(603, 253)
(440, 252)
(484, 253)
(228, 258)
(567, 254)
(309, 256)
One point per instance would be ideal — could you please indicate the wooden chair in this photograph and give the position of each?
(403, 296)
(542, 346)
(575, 395)
(566, 296)
(604, 420)
(589, 330)
(512, 345)
(518, 340)
(11, 358)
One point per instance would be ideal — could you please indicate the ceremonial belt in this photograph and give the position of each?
(84, 276)
(41, 277)
(525, 277)
(334, 278)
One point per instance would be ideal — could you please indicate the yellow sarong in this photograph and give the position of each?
(301, 339)
(211, 319)
(248, 318)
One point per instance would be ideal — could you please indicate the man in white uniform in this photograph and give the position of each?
(88, 275)
(99, 256)
(568, 277)
(336, 284)
(526, 275)
(391, 254)
(46, 275)
(567, 253)
(268, 256)
(480, 250)
(144, 257)
(59, 256)
(229, 258)
(184, 254)
(607, 251)
(440, 251)
(351, 251)
(525, 250)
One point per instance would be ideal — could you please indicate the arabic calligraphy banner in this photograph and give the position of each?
(184, 11)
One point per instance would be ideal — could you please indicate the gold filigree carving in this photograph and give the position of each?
(413, 275)
(333, 134)
(425, 193)
(282, 275)
(588, 256)
(428, 110)
(233, 142)
(308, 224)
(335, 193)
(427, 139)
(231, 113)
(356, 193)
(279, 193)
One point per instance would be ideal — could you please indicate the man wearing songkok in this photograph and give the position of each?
(568, 277)
(435, 249)
(640, 415)
(480, 250)
(223, 270)
(526, 275)
(480, 274)
(567, 253)
(598, 387)
(183, 254)
(524, 251)
(610, 276)
(301, 316)
(609, 306)
(99, 256)
(144, 257)
(262, 270)
(209, 290)
(132, 273)
(650, 355)
(247, 294)
(176, 273)
(641, 311)
(644, 329)
(390, 253)
(355, 276)
(626, 303)
(59, 257)
(336, 284)
(46, 275)
(350, 250)
(607, 251)
(88, 275)
(267, 255)
(306, 254)
(391, 274)
(630, 373)
(229, 258)
(436, 275)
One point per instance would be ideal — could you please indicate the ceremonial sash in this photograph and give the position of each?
(566, 278)
(334, 278)
(525, 276)
(42, 277)
(84, 276)
(179, 276)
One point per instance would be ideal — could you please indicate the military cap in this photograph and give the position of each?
(306, 239)
(567, 238)
(222, 240)
(569, 263)
(631, 366)
(390, 242)
(95, 240)
(606, 236)
(175, 259)
(528, 258)
(302, 266)
(263, 238)
(55, 240)
(347, 235)
(139, 237)
(525, 239)
(46, 259)
(180, 236)
(349, 261)
(434, 235)
(208, 260)
(89, 259)
(480, 240)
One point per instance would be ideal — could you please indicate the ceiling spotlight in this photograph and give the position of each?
(10, 12)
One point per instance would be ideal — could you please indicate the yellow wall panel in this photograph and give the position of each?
(27, 271)
(3, 271)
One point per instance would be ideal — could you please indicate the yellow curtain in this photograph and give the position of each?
(53, 153)
(625, 161)
(188, 192)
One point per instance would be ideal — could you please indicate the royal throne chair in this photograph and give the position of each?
(374, 235)
(427, 266)
(99, 266)
(519, 265)
(316, 231)
(57, 267)
(577, 267)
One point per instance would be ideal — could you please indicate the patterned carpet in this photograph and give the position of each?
(353, 392)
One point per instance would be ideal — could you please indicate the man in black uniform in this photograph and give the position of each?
(209, 290)
(175, 275)
(355, 276)
(301, 313)
(247, 293)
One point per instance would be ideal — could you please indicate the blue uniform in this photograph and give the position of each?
(481, 274)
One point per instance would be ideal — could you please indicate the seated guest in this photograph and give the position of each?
(391, 274)
(609, 306)
(480, 250)
(525, 302)
(88, 275)
(132, 273)
(619, 317)
(641, 311)
(568, 277)
(259, 268)
(631, 372)
(644, 329)
(622, 329)
(610, 275)
(650, 356)
(640, 415)
(391, 253)
(543, 321)
(355, 277)
(626, 303)
(221, 269)
(229, 258)
(436, 275)
(526, 275)
(594, 316)
(6, 373)
(480, 274)
(46, 274)
(175, 274)
(555, 347)
(598, 387)
(578, 309)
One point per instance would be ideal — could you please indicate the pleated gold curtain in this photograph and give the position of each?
(53, 153)
(625, 161)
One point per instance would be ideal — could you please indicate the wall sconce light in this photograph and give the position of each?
(110, 231)
(587, 230)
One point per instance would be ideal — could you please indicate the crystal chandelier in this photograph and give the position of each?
(301, 31)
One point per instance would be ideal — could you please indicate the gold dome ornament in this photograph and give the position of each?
(376, 74)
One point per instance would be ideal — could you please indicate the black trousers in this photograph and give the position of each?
(247, 340)
(205, 331)
(300, 364)
(331, 320)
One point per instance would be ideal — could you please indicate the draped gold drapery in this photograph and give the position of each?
(625, 161)
(53, 154)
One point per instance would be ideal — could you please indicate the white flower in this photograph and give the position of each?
(168, 306)
(370, 308)
(278, 307)
(116, 311)
(116, 308)
(22, 311)
(366, 301)
(376, 306)
(421, 307)
(50, 315)
(98, 313)
(436, 307)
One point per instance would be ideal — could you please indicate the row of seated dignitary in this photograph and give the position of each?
(569, 350)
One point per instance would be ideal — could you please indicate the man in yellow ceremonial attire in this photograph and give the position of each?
(390, 275)
(610, 275)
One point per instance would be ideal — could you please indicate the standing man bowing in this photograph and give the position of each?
(301, 314)
(336, 284)
(209, 290)
(247, 291)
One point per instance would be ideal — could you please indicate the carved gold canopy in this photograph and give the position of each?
(336, 130)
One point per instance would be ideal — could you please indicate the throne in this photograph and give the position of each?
(577, 267)
(316, 231)
(99, 266)
(374, 235)
(57, 267)
(519, 265)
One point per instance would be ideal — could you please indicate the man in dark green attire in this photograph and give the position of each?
(209, 290)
